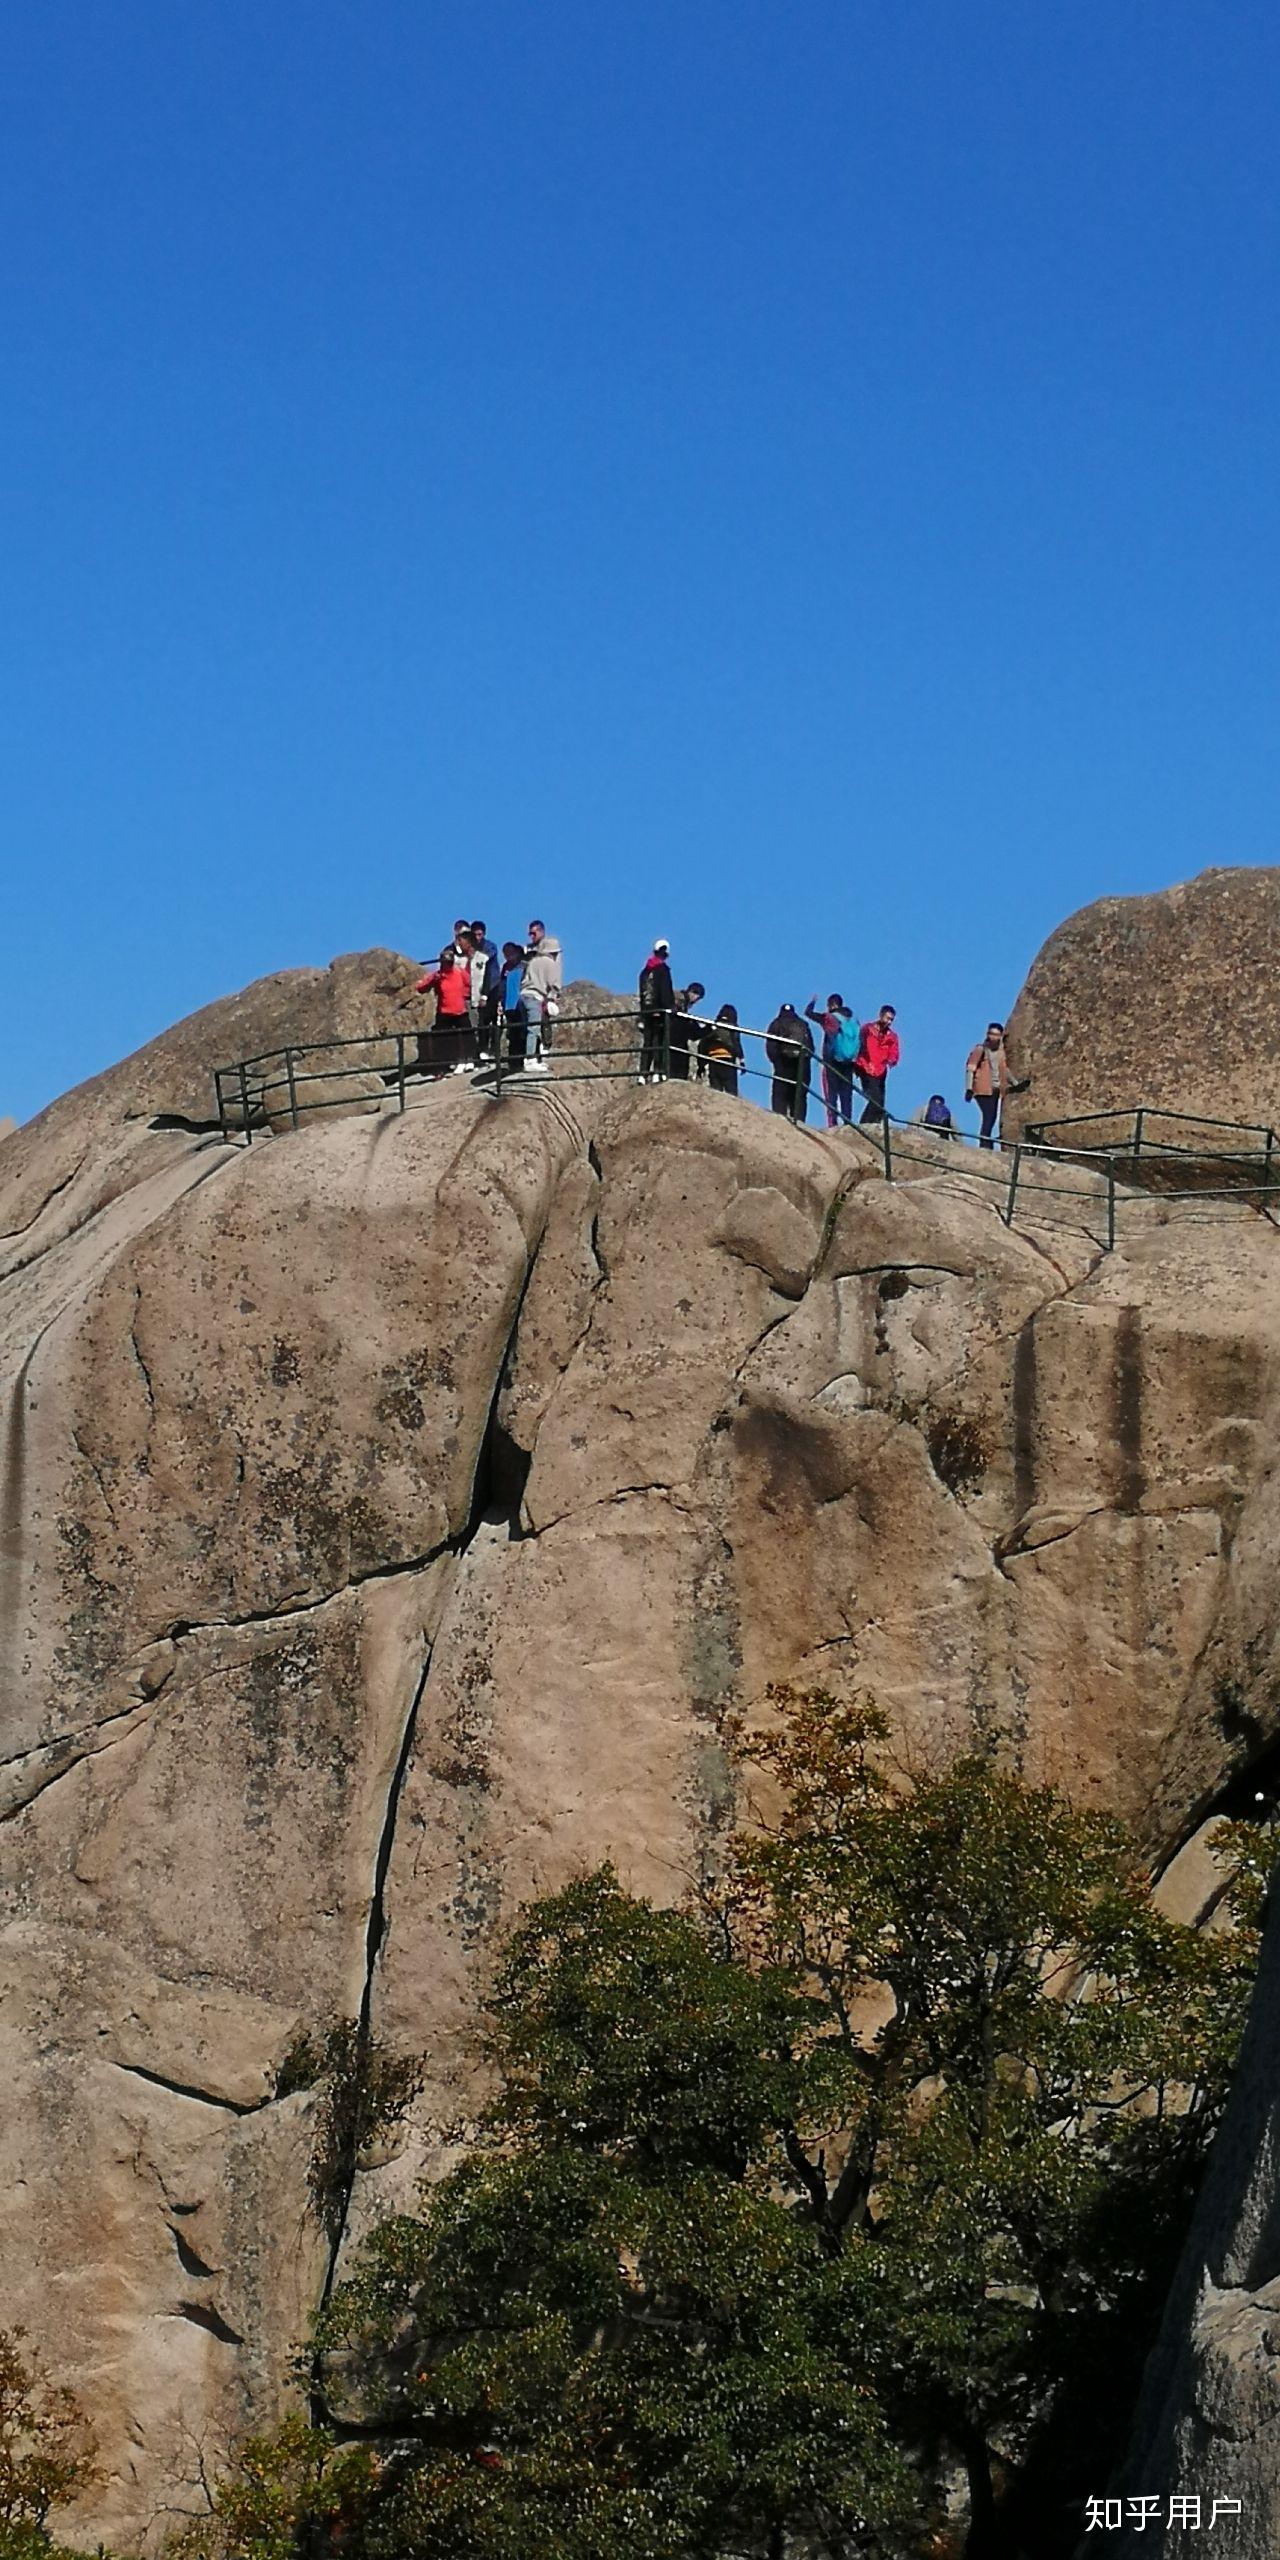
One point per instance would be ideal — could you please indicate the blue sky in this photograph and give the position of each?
(796, 477)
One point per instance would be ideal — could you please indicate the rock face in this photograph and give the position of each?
(391, 1509)
(1212, 2394)
(1172, 1000)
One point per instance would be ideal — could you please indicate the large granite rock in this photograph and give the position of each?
(391, 1509)
(1171, 1000)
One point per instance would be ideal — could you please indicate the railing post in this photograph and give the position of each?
(222, 1105)
(400, 1066)
(1266, 1165)
(244, 1104)
(1111, 1204)
(1013, 1186)
(666, 1043)
(888, 1148)
(293, 1089)
(501, 1043)
(1137, 1133)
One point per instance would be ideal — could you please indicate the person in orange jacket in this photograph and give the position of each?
(988, 1077)
(878, 1050)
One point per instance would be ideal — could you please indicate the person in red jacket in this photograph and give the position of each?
(878, 1050)
(450, 1045)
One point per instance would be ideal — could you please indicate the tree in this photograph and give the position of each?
(608, 2333)
(790, 2213)
(46, 2452)
(291, 2495)
(1015, 2142)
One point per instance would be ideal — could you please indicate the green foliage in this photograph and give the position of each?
(46, 2452)
(289, 2495)
(869, 2171)
(364, 2092)
(608, 2332)
(1015, 2141)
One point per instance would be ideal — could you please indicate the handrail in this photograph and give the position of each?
(1113, 1169)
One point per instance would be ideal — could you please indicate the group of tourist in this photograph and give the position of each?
(493, 1005)
(476, 992)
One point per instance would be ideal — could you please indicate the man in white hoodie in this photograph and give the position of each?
(541, 989)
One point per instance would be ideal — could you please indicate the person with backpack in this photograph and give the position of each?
(541, 990)
(840, 1037)
(988, 1077)
(788, 1046)
(878, 1051)
(720, 1050)
(935, 1114)
(657, 1004)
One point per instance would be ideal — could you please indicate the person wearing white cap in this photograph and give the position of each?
(657, 1004)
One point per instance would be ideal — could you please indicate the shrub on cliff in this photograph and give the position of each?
(46, 2453)
(792, 2213)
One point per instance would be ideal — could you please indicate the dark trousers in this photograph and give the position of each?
(873, 1089)
(682, 1030)
(790, 1092)
(517, 1022)
(653, 1044)
(988, 1112)
(721, 1077)
(839, 1077)
(449, 1043)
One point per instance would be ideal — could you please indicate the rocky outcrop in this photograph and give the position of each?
(1168, 1000)
(393, 1507)
(1207, 2422)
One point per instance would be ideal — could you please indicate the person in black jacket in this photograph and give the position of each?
(657, 1004)
(720, 1050)
(788, 1045)
(685, 1028)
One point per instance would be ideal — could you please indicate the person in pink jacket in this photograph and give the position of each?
(878, 1050)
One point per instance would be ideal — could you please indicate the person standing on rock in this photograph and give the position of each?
(542, 988)
(486, 978)
(839, 1048)
(788, 1045)
(720, 1050)
(448, 1048)
(685, 1028)
(512, 999)
(988, 1077)
(878, 1051)
(657, 1005)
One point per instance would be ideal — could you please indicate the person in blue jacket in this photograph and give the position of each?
(511, 996)
(839, 1049)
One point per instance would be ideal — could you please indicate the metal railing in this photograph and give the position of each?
(1162, 1149)
(1118, 1155)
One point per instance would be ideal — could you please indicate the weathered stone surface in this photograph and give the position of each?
(1211, 2398)
(62, 1168)
(1169, 1000)
(390, 1511)
(332, 1093)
